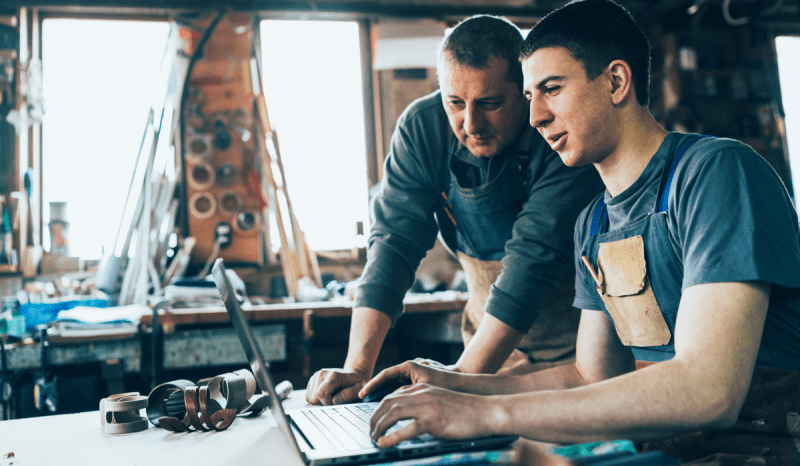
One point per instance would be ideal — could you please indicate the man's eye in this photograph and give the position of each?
(491, 105)
(552, 89)
(456, 103)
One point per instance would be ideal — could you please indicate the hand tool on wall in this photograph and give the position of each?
(6, 385)
(45, 388)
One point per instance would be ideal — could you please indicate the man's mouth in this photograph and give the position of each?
(556, 141)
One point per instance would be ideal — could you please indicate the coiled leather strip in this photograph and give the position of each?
(211, 404)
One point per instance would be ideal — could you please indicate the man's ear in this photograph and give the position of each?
(619, 73)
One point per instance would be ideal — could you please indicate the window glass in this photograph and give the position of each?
(98, 81)
(99, 78)
(312, 85)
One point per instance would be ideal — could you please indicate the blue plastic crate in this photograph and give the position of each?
(44, 313)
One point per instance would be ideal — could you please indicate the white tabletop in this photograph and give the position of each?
(78, 439)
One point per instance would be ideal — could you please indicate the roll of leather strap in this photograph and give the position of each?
(157, 400)
(214, 419)
(211, 404)
(119, 414)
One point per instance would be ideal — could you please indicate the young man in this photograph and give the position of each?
(690, 259)
(465, 164)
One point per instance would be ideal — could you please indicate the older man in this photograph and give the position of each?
(465, 164)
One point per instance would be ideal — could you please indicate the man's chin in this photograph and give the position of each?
(571, 160)
(483, 151)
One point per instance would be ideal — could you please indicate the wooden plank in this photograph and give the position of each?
(269, 189)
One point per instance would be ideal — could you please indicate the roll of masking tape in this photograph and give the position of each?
(120, 414)
(246, 223)
(201, 175)
(230, 202)
(198, 147)
(202, 205)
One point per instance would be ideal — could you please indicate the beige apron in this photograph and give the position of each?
(550, 341)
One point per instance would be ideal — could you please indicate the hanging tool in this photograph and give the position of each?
(6, 384)
(45, 388)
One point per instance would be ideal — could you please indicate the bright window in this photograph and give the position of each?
(99, 78)
(312, 85)
(98, 82)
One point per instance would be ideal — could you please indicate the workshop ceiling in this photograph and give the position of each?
(646, 11)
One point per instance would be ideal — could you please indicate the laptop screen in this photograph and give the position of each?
(258, 364)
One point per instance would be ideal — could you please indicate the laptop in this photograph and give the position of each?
(321, 435)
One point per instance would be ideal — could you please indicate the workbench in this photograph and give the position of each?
(216, 344)
(186, 339)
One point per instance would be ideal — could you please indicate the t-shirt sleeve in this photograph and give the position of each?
(586, 296)
(733, 218)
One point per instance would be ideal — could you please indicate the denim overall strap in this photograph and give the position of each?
(600, 216)
(484, 215)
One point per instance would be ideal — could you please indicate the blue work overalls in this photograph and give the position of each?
(763, 429)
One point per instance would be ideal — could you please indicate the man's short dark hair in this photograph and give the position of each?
(474, 41)
(596, 32)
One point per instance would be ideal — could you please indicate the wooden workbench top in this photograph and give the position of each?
(413, 304)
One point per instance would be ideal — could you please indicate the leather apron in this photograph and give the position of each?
(484, 218)
(630, 291)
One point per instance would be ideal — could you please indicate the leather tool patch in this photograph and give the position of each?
(625, 288)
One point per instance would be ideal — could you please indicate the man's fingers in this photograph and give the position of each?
(347, 395)
(385, 416)
(311, 388)
(384, 375)
(400, 371)
(400, 435)
(327, 386)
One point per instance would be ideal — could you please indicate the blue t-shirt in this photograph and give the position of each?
(730, 219)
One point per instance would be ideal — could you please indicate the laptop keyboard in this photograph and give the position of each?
(344, 427)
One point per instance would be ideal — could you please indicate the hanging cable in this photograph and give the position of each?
(726, 13)
(196, 54)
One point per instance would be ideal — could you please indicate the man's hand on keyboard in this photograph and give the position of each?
(335, 386)
(416, 372)
(442, 413)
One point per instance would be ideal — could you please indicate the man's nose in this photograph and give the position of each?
(540, 114)
(473, 120)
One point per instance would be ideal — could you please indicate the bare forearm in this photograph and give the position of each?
(555, 378)
(489, 348)
(368, 329)
(656, 402)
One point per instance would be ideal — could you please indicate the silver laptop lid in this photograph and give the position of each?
(258, 364)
